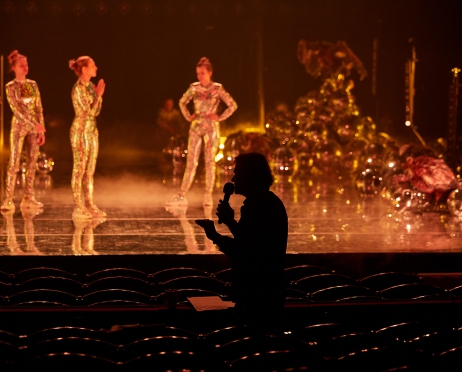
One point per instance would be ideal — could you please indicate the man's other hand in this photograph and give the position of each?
(209, 228)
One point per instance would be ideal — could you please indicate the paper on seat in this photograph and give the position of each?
(209, 303)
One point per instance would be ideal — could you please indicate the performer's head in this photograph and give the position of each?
(204, 71)
(18, 64)
(168, 104)
(252, 174)
(84, 67)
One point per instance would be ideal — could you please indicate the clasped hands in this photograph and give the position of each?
(225, 215)
(100, 87)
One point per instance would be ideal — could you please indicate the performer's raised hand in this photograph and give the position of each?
(99, 89)
(41, 139)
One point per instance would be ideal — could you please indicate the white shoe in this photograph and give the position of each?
(208, 200)
(177, 200)
(31, 204)
(95, 211)
(8, 205)
(81, 213)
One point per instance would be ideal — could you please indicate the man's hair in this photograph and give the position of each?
(256, 169)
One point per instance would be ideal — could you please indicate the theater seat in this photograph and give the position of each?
(279, 360)
(320, 281)
(77, 345)
(168, 344)
(177, 272)
(381, 281)
(125, 334)
(116, 295)
(196, 282)
(223, 275)
(340, 292)
(120, 282)
(316, 333)
(409, 291)
(302, 271)
(74, 362)
(43, 295)
(167, 361)
(383, 359)
(37, 272)
(63, 332)
(51, 282)
(408, 330)
(115, 271)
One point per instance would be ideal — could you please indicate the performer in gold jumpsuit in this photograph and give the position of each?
(27, 125)
(87, 99)
(205, 127)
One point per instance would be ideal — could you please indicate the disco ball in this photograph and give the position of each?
(353, 154)
(423, 201)
(454, 202)
(283, 161)
(307, 103)
(391, 163)
(374, 153)
(305, 163)
(315, 130)
(346, 130)
(403, 199)
(279, 125)
(227, 163)
(367, 128)
(300, 144)
(233, 144)
(327, 155)
(44, 163)
(368, 182)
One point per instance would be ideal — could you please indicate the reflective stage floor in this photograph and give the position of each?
(324, 217)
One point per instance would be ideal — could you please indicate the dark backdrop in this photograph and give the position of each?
(147, 51)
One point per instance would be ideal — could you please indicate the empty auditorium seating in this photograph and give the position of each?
(333, 322)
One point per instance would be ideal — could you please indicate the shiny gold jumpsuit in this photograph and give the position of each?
(206, 100)
(84, 141)
(25, 102)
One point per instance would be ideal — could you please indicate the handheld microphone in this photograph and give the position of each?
(228, 190)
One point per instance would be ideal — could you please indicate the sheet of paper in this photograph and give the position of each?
(209, 303)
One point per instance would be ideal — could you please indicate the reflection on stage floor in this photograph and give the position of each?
(333, 220)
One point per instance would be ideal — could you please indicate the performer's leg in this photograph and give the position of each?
(32, 152)
(80, 155)
(88, 177)
(211, 142)
(194, 151)
(16, 142)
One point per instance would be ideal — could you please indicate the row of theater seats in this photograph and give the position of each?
(418, 346)
(124, 286)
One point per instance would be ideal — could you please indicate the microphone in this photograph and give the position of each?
(228, 190)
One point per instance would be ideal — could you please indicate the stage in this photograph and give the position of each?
(324, 218)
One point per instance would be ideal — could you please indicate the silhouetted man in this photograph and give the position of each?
(259, 244)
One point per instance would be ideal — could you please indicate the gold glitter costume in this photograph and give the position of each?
(24, 100)
(206, 100)
(84, 142)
